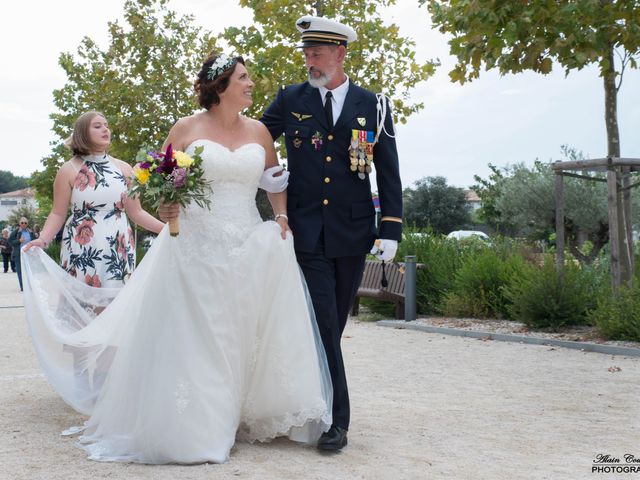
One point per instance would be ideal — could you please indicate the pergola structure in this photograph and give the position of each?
(619, 174)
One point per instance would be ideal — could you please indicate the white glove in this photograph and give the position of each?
(273, 183)
(384, 249)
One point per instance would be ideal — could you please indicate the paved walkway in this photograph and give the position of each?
(425, 406)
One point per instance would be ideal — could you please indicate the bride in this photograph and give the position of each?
(213, 337)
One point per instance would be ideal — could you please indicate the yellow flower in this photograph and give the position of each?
(183, 160)
(141, 174)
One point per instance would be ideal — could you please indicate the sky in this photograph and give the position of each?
(498, 120)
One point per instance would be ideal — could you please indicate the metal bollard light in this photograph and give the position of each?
(410, 288)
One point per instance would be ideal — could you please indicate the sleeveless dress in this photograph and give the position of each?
(98, 245)
(212, 338)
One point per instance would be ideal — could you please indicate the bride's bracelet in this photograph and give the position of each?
(281, 215)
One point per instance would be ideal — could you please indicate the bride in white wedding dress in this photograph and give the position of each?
(213, 336)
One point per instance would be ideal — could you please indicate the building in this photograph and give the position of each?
(473, 200)
(11, 200)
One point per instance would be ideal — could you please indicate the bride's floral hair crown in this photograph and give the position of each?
(221, 65)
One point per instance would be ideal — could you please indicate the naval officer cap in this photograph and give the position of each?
(323, 31)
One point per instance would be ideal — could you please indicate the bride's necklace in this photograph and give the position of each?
(97, 158)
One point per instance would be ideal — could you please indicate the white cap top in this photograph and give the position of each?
(324, 31)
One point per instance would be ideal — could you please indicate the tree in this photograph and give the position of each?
(23, 210)
(528, 35)
(525, 197)
(380, 60)
(489, 191)
(142, 82)
(9, 182)
(433, 203)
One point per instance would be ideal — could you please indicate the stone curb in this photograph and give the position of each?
(501, 337)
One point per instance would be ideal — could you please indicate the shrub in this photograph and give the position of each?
(441, 259)
(478, 289)
(618, 317)
(540, 298)
(53, 250)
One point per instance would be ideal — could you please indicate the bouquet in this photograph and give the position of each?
(170, 177)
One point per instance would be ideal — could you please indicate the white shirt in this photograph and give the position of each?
(339, 95)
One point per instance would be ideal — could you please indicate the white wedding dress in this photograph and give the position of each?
(213, 337)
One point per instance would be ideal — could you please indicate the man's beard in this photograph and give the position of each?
(320, 81)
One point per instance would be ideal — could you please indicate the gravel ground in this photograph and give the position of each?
(424, 406)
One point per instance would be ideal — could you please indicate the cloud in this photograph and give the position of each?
(19, 113)
(511, 92)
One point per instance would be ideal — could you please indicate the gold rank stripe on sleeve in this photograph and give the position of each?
(391, 219)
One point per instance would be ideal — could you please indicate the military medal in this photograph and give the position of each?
(316, 140)
(361, 150)
(297, 142)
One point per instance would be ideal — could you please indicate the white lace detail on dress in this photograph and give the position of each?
(233, 211)
(183, 395)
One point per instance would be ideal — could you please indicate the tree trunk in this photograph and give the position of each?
(611, 107)
(319, 6)
(623, 200)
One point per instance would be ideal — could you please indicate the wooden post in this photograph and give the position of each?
(627, 276)
(559, 222)
(614, 231)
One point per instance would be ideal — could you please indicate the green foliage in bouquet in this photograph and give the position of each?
(170, 177)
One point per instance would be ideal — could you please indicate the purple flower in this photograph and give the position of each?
(144, 165)
(168, 163)
(179, 176)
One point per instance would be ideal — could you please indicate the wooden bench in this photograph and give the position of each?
(371, 287)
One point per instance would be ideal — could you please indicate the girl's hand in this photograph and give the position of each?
(38, 242)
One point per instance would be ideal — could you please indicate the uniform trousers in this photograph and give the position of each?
(333, 284)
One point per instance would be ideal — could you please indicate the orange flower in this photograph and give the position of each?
(84, 232)
(85, 179)
(93, 281)
(122, 246)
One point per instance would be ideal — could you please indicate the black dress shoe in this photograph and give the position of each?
(334, 439)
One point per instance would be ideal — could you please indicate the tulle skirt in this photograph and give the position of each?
(196, 350)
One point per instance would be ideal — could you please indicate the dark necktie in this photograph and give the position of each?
(328, 109)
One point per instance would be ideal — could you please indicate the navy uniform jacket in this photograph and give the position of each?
(324, 195)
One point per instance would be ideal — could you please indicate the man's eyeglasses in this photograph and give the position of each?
(24, 223)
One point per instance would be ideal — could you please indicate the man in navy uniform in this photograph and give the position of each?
(334, 131)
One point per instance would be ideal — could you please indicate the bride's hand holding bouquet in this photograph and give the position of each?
(169, 180)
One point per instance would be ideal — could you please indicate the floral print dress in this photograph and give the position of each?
(98, 245)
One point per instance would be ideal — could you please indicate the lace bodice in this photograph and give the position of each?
(234, 176)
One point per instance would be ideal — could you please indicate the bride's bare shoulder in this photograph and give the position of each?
(186, 123)
(181, 132)
(257, 127)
